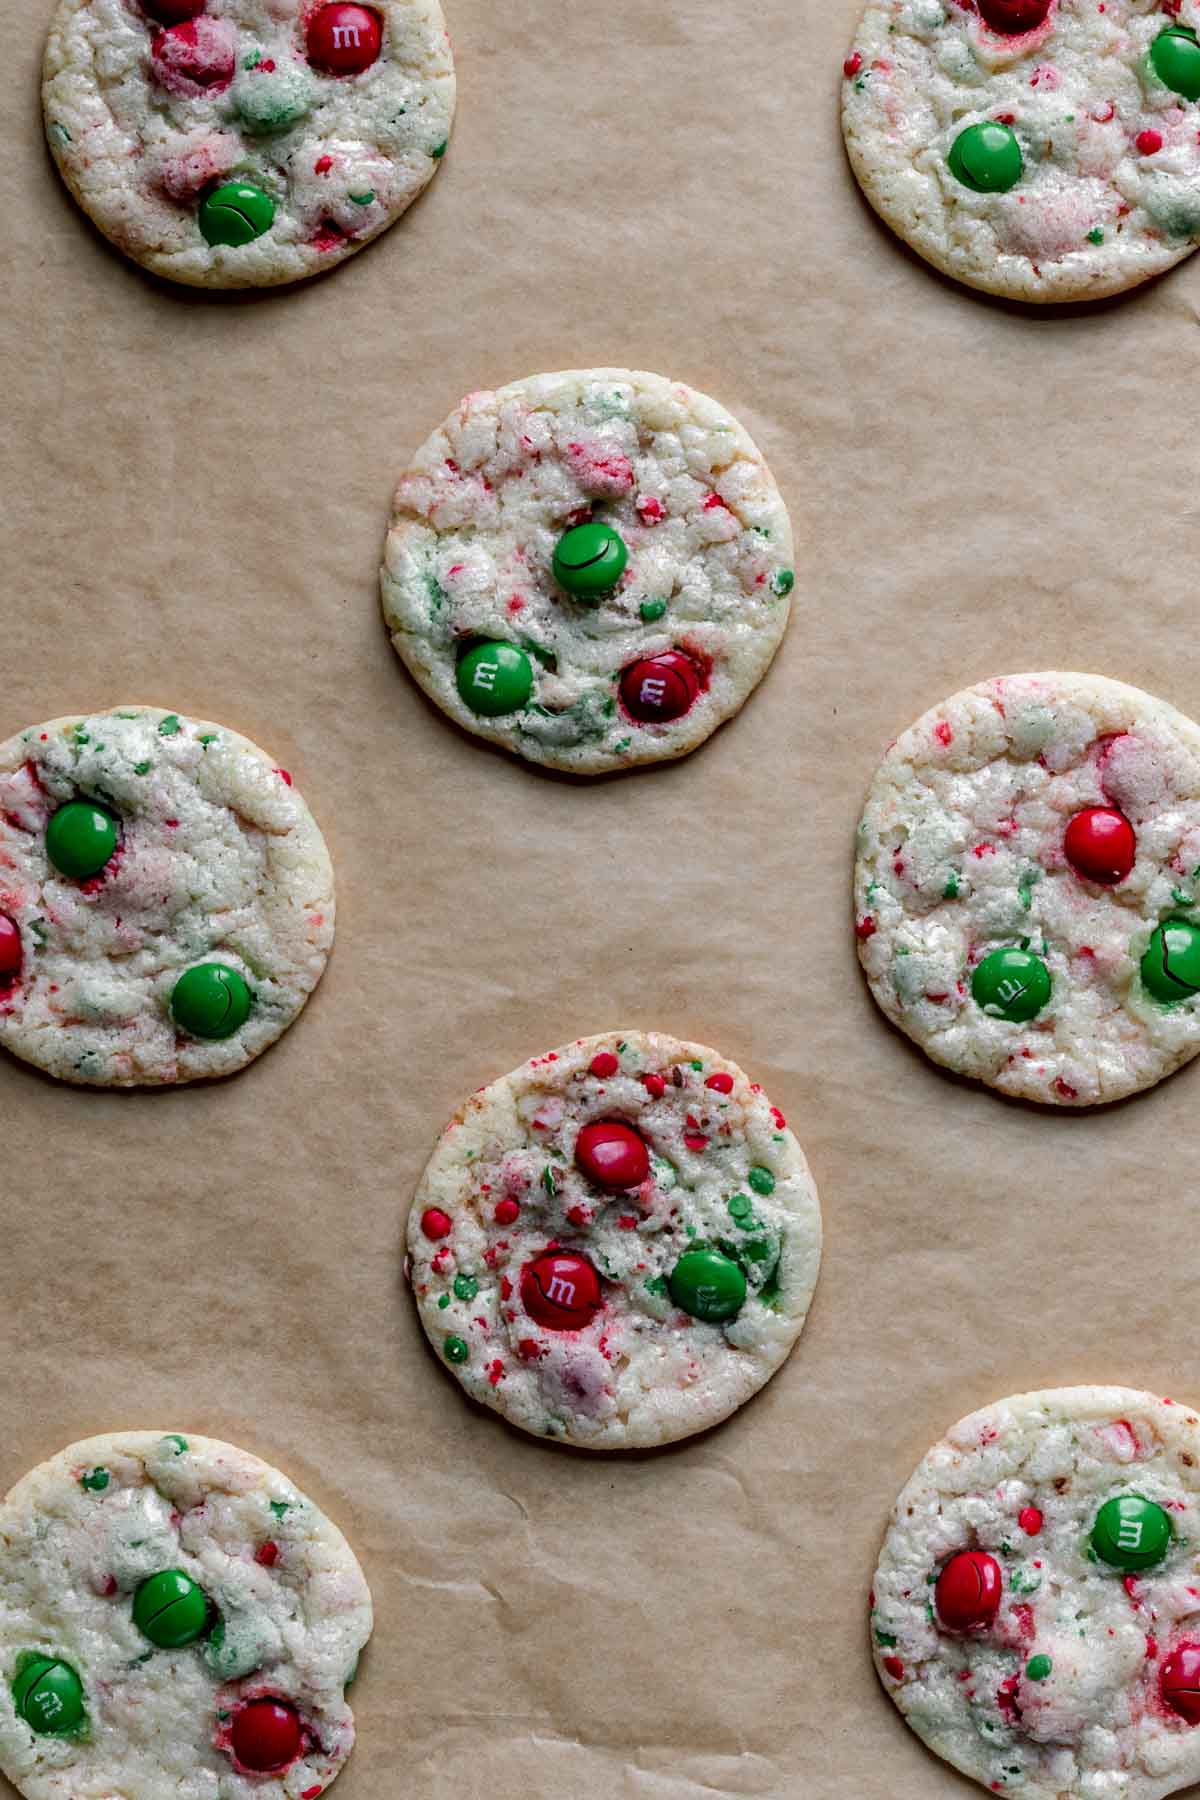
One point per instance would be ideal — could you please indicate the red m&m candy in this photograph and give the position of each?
(612, 1155)
(507, 1212)
(1179, 1682)
(266, 1735)
(10, 950)
(196, 57)
(435, 1223)
(660, 688)
(1011, 17)
(968, 1591)
(344, 39)
(1100, 844)
(173, 12)
(560, 1290)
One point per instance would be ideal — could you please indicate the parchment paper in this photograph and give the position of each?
(195, 492)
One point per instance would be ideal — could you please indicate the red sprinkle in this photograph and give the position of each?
(721, 1083)
(1148, 142)
(1030, 1520)
(627, 1222)
(780, 1121)
(866, 928)
(284, 776)
(495, 1372)
(695, 1140)
(529, 1349)
(654, 1085)
(322, 165)
(507, 1212)
(941, 730)
(894, 1667)
(435, 1223)
(267, 1554)
(603, 1063)
(852, 65)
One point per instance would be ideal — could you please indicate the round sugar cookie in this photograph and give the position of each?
(244, 143)
(166, 899)
(616, 1245)
(1035, 1614)
(1027, 886)
(1038, 149)
(177, 1622)
(591, 569)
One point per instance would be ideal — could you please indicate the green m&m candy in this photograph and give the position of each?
(80, 839)
(1131, 1533)
(170, 1609)
(590, 559)
(456, 1350)
(1175, 58)
(987, 158)
(707, 1284)
(48, 1694)
(495, 678)
(1171, 964)
(236, 213)
(210, 1001)
(1011, 984)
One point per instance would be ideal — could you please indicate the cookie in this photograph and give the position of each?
(1038, 149)
(591, 569)
(1035, 1614)
(1027, 887)
(616, 1245)
(177, 1622)
(166, 899)
(244, 143)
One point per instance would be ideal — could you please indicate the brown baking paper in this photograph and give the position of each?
(195, 493)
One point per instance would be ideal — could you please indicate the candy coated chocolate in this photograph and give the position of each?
(235, 213)
(10, 949)
(80, 839)
(560, 1290)
(1175, 55)
(1011, 17)
(173, 12)
(612, 1155)
(1100, 844)
(494, 678)
(1179, 1682)
(344, 39)
(660, 688)
(590, 559)
(968, 1592)
(1131, 1533)
(170, 1609)
(48, 1694)
(707, 1284)
(266, 1735)
(987, 158)
(435, 1223)
(1011, 984)
(210, 1001)
(1171, 963)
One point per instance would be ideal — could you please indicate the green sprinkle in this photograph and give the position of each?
(439, 151)
(169, 726)
(363, 199)
(38, 928)
(279, 1507)
(621, 1049)
(206, 738)
(783, 582)
(740, 1206)
(885, 1638)
(696, 1065)
(621, 745)
(443, 1301)
(465, 1287)
(1180, 898)
(609, 708)
(762, 1180)
(1025, 887)
(64, 136)
(1095, 235)
(657, 1284)
(81, 736)
(180, 1443)
(142, 768)
(95, 1481)
(651, 610)
(129, 715)
(950, 891)
(859, 85)
(1038, 1667)
(455, 1350)
(548, 1181)
(252, 61)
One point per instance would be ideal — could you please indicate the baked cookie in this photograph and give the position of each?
(1039, 149)
(243, 143)
(617, 1244)
(1035, 1614)
(591, 569)
(177, 1622)
(1026, 887)
(166, 899)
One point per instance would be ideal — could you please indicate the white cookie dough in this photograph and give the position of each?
(1109, 192)
(474, 528)
(218, 860)
(961, 854)
(290, 1613)
(503, 1188)
(1060, 1696)
(144, 121)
